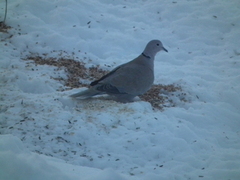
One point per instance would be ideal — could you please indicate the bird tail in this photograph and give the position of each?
(86, 94)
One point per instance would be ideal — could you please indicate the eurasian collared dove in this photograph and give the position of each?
(127, 80)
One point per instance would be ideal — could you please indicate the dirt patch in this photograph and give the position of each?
(3, 27)
(161, 96)
(75, 70)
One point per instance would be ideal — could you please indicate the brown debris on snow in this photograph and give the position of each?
(3, 27)
(159, 96)
(75, 69)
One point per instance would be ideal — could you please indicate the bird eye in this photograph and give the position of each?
(157, 44)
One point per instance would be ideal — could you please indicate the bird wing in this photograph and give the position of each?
(105, 76)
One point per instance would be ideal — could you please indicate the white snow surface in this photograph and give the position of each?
(47, 135)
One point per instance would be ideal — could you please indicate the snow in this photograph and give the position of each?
(47, 135)
(17, 162)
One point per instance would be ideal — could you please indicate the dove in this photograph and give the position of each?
(128, 80)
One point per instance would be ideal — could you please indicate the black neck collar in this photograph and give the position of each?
(146, 56)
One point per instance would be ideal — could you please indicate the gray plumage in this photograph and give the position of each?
(127, 80)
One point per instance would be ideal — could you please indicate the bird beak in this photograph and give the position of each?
(164, 49)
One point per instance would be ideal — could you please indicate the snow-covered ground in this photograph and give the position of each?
(47, 135)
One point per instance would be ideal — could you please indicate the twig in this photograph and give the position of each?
(5, 13)
(2, 23)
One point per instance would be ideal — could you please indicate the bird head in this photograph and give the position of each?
(153, 47)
